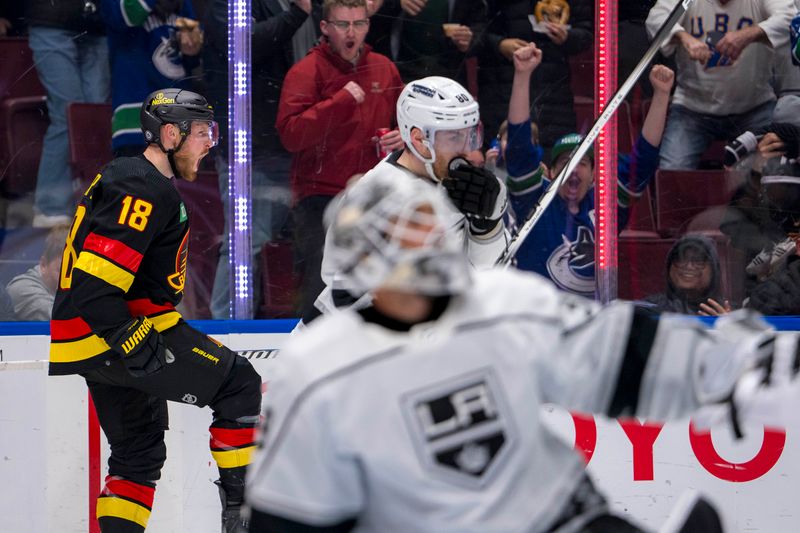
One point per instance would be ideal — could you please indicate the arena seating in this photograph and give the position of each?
(23, 123)
(682, 195)
(279, 283)
(23, 118)
(17, 74)
(641, 221)
(89, 131)
(641, 265)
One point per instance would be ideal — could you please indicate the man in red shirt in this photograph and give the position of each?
(332, 103)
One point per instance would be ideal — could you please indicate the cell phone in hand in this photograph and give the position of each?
(716, 59)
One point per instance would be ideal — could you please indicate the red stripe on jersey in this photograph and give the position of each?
(222, 439)
(74, 328)
(117, 251)
(146, 307)
(116, 486)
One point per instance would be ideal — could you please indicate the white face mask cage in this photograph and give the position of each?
(395, 236)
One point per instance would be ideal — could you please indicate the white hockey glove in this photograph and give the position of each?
(478, 194)
(768, 394)
(765, 390)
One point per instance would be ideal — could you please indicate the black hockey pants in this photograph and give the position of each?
(133, 414)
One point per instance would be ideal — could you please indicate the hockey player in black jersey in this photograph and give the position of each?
(115, 323)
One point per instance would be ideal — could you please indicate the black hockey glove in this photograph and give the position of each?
(141, 346)
(164, 8)
(477, 193)
(780, 294)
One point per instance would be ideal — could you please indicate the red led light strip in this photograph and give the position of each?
(605, 151)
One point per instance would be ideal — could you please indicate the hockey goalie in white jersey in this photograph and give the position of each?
(421, 412)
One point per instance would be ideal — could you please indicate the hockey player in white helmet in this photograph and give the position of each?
(440, 124)
(420, 412)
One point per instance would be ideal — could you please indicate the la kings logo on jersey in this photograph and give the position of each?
(462, 428)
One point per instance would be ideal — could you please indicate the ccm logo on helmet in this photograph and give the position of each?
(421, 89)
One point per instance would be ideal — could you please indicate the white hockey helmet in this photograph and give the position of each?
(394, 233)
(434, 104)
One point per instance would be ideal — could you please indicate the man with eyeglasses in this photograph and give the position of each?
(331, 106)
(283, 33)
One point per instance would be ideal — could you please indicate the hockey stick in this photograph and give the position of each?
(536, 213)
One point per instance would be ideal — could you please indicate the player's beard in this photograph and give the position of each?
(186, 165)
(441, 167)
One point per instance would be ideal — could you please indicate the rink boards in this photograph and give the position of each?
(52, 456)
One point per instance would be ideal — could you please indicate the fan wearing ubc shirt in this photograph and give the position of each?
(115, 323)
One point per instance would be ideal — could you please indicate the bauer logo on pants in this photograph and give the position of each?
(461, 428)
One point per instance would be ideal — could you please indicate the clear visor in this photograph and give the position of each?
(206, 130)
(461, 141)
(213, 132)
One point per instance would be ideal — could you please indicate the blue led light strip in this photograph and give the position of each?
(239, 157)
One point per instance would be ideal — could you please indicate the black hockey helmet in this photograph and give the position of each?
(780, 192)
(173, 106)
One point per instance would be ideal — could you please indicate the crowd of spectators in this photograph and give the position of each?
(326, 76)
(72, 60)
(283, 33)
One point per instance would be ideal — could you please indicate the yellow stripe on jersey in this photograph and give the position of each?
(125, 509)
(233, 458)
(165, 321)
(73, 351)
(104, 269)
